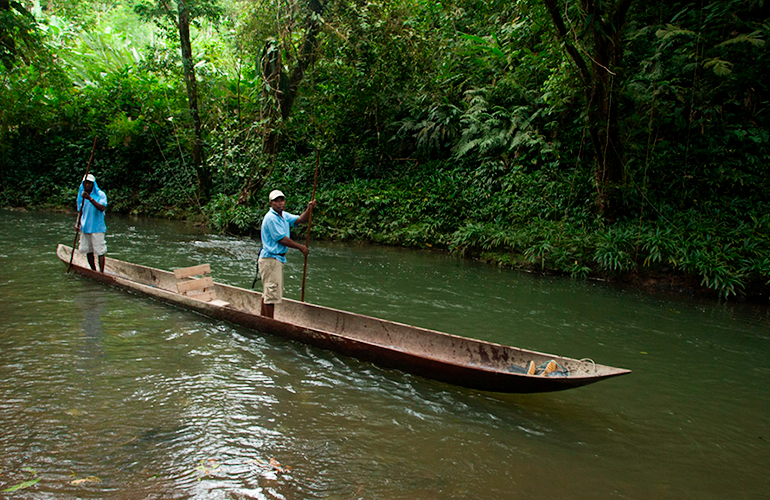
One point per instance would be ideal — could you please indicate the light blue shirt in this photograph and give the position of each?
(276, 227)
(92, 220)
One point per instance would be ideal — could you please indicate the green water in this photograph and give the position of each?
(143, 400)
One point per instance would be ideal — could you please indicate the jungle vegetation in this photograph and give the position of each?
(596, 138)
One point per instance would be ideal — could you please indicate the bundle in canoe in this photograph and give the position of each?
(440, 356)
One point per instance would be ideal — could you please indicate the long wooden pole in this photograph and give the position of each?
(310, 221)
(80, 211)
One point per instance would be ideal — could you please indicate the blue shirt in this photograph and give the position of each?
(92, 220)
(275, 227)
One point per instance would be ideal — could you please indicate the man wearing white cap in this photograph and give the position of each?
(92, 203)
(276, 241)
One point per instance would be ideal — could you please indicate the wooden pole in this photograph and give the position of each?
(310, 221)
(80, 211)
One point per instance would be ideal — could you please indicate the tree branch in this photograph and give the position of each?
(171, 14)
(563, 35)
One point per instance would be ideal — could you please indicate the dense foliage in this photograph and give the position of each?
(620, 139)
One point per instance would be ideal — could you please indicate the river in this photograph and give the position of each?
(109, 395)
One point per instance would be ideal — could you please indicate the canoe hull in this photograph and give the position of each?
(456, 360)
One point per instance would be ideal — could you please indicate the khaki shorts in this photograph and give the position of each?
(93, 243)
(271, 272)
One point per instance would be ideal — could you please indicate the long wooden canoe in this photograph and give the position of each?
(449, 358)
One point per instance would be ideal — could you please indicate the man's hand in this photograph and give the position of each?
(302, 248)
(99, 206)
(306, 214)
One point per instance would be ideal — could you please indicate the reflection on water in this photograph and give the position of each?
(108, 395)
(92, 308)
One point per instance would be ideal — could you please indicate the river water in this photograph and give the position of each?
(108, 395)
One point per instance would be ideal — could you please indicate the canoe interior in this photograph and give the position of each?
(459, 360)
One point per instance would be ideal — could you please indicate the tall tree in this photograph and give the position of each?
(594, 43)
(281, 85)
(26, 66)
(181, 14)
(17, 33)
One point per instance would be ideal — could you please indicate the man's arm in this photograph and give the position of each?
(306, 214)
(286, 241)
(95, 203)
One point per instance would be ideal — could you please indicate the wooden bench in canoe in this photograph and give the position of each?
(440, 356)
(198, 288)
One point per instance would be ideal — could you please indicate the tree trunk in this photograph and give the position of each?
(600, 89)
(283, 89)
(198, 153)
(7, 43)
(307, 56)
(603, 119)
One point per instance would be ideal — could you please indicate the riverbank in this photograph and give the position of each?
(638, 264)
(662, 281)
(713, 251)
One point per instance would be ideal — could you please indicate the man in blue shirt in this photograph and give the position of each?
(276, 241)
(92, 203)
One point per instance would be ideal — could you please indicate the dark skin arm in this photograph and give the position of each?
(88, 186)
(293, 244)
(306, 214)
(301, 220)
(99, 206)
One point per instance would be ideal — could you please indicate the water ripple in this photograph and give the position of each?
(157, 402)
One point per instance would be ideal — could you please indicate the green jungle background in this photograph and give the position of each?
(619, 139)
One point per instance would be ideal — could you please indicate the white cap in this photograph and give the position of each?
(89, 177)
(276, 194)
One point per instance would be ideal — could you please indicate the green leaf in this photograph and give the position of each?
(21, 486)
(719, 66)
(671, 31)
(752, 38)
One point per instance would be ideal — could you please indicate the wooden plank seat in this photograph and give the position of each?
(199, 288)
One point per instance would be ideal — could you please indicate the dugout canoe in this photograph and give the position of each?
(462, 361)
